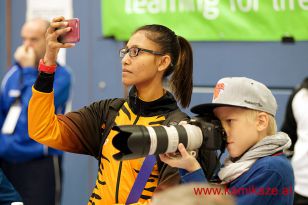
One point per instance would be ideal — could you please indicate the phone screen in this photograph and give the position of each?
(73, 36)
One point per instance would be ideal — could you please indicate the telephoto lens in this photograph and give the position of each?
(136, 141)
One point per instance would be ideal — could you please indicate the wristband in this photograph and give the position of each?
(46, 68)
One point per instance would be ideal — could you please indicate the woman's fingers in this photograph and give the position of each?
(57, 19)
(62, 45)
(52, 38)
(59, 32)
(56, 23)
(59, 24)
(56, 44)
(68, 45)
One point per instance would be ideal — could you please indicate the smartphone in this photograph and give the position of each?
(73, 36)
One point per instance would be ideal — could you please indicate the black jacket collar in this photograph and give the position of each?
(160, 106)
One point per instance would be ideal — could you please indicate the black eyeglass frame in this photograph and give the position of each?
(124, 51)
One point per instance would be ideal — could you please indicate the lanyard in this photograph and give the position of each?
(141, 179)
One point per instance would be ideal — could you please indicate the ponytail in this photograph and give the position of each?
(304, 84)
(181, 79)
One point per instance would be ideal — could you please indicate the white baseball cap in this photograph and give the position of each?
(240, 92)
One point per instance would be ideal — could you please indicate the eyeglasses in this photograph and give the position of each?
(134, 51)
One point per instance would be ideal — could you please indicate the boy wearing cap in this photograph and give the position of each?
(256, 170)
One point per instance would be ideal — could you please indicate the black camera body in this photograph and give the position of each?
(212, 131)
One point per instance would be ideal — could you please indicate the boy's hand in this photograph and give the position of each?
(185, 161)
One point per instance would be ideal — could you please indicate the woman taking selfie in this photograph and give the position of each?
(152, 53)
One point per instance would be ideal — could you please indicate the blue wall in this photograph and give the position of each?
(95, 61)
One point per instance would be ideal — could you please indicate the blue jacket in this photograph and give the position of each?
(7, 192)
(19, 147)
(270, 180)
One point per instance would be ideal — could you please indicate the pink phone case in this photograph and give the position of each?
(72, 36)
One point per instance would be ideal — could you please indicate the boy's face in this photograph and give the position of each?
(241, 130)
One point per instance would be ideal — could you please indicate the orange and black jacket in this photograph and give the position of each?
(82, 131)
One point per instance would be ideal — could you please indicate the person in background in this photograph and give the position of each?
(152, 53)
(256, 170)
(32, 168)
(296, 125)
(8, 195)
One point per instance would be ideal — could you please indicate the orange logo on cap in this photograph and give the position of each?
(218, 88)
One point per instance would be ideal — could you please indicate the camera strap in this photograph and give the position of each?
(141, 179)
(114, 108)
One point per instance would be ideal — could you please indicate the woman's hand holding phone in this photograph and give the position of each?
(73, 35)
(58, 27)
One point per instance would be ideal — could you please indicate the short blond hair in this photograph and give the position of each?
(272, 125)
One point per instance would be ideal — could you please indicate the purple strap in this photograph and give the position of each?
(141, 179)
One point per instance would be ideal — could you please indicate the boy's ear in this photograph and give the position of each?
(164, 62)
(262, 121)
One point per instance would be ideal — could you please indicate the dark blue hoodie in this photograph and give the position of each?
(16, 85)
